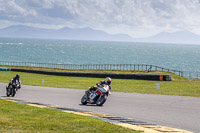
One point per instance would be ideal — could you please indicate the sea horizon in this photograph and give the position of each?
(183, 57)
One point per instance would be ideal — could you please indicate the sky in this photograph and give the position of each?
(137, 18)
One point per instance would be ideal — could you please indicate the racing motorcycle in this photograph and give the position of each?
(98, 97)
(11, 89)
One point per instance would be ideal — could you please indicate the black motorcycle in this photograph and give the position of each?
(98, 97)
(11, 89)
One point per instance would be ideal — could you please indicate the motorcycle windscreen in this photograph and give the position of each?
(102, 90)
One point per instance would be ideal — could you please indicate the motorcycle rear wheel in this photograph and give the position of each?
(13, 92)
(101, 100)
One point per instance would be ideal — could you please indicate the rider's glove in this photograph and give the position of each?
(98, 84)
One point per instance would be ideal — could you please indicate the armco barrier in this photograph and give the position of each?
(101, 75)
(4, 69)
(117, 67)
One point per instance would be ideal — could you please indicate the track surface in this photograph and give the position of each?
(173, 111)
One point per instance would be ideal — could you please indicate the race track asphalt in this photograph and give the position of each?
(173, 111)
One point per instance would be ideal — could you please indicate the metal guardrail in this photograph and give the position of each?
(120, 67)
(191, 75)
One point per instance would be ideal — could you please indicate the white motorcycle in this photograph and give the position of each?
(98, 97)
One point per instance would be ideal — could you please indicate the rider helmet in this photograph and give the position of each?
(108, 80)
(17, 76)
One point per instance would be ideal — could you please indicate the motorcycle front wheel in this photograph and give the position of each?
(101, 100)
(84, 100)
(7, 92)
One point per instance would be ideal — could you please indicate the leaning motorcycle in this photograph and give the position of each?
(98, 97)
(11, 89)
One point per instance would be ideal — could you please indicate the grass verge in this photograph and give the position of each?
(15, 117)
(178, 86)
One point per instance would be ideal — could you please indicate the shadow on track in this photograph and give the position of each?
(90, 105)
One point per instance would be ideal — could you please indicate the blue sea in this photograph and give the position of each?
(172, 56)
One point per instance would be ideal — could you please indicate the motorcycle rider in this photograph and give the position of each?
(107, 81)
(15, 80)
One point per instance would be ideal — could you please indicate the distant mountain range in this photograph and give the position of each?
(180, 37)
(21, 31)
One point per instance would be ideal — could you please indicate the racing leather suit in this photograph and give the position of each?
(13, 81)
(93, 88)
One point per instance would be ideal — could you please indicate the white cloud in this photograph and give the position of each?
(9, 9)
(134, 17)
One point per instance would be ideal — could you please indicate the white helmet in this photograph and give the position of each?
(108, 80)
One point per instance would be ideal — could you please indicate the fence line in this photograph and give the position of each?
(120, 67)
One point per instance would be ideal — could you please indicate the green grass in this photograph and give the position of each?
(178, 86)
(18, 118)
